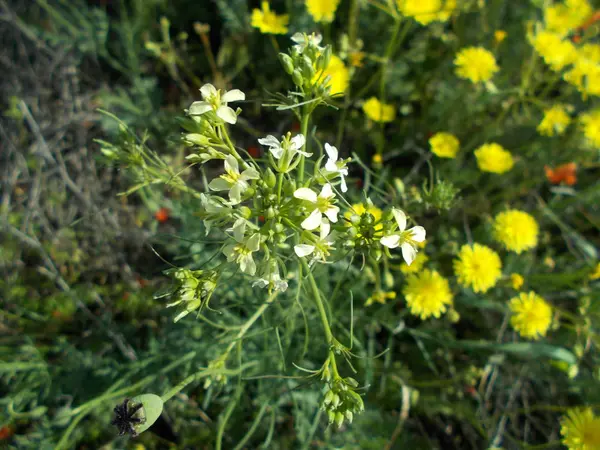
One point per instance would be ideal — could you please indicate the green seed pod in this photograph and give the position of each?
(271, 212)
(246, 212)
(349, 416)
(270, 178)
(287, 63)
(328, 397)
(339, 419)
(297, 78)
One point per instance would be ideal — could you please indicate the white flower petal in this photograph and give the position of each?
(231, 165)
(298, 38)
(306, 194)
(331, 166)
(270, 141)
(219, 184)
(253, 243)
(198, 108)
(303, 250)
(250, 268)
(301, 152)
(391, 241)
(235, 95)
(327, 192)
(325, 229)
(298, 141)
(400, 218)
(250, 174)
(332, 213)
(417, 233)
(277, 152)
(227, 114)
(235, 193)
(409, 253)
(313, 221)
(344, 185)
(332, 152)
(208, 91)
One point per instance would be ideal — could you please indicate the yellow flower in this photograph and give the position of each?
(378, 111)
(516, 230)
(380, 297)
(595, 275)
(426, 11)
(444, 145)
(556, 51)
(517, 281)
(476, 64)
(591, 127)
(493, 158)
(499, 36)
(580, 430)
(268, 22)
(563, 18)
(555, 121)
(377, 159)
(427, 294)
(322, 10)
(531, 315)
(416, 265)
(338, 73)
(478, 267)
(360, 208)
(585, 73)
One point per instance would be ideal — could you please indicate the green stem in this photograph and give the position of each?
(304, 131)
(279, 186)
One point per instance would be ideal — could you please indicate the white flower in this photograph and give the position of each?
(234, 181)
(292, 145)
(336, 166)
(304, 40)
(404, 238)
(214, 101)
(323, 205)
(272, 279)
(213, 208)
(320, 247)
(241, 253)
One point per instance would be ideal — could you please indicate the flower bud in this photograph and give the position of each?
(279, 228)
(270, 179)
(287, 63)
(297, 78)
(271, 212)
(245, 212)
(339, 419)
(197, 139)
(325, 58)
(349, 416)
(328, 397)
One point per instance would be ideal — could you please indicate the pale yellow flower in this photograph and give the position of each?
(516, 281)
(580, 430)
(564, 17)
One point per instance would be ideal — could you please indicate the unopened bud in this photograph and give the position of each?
(287, 63)
(270, 179)
(297, 78)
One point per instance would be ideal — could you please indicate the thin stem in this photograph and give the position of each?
(319, 302)
(304, 131)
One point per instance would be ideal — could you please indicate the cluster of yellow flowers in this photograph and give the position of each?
(427, 11)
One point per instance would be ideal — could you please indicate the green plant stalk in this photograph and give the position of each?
(304, 131)
(324, 319)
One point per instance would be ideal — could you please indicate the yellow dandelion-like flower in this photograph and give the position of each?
(595, 275)
(444, 145)
(416, 265)
(380, 297)
(427, 11)
(499, 36)
(268, 22)
(378, 111)
(516, 281)
(493, 158)
(322, 10)
(556, 51)
(516, 230)
(585, 72)
(591, 127)
(476, 64)
(478, 267)
(427, 294)
(338, 73)
(555, 121)
(562, 18)
(531, 315)
(360, 208)
(580, 429)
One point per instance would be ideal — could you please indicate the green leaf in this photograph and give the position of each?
(524, 349)
(151, 410)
